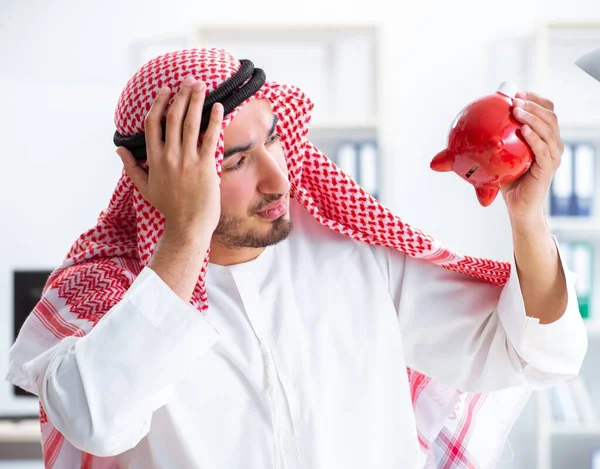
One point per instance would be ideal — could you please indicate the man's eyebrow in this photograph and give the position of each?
(239, 149)
(242, 148)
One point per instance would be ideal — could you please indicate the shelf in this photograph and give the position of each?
(564, 428)
(575, 226)
(22, 431)
(569, 125)
(593, 327)
(549, 426)
(340, 125)
(308, 28)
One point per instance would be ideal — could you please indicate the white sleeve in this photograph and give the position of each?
(100, 390)
(477, 336)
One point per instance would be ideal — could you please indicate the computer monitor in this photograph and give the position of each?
(27, 290)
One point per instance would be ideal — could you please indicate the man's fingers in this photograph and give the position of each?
(138, 175)
(177, 112)
(211, 136)
(152, 124)
(543, 130)
(191, 125)
(536, 98)
(542, 112)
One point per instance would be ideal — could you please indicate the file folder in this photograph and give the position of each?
(561, 189)
(583, 262)
(347, 160)
(368, 162)
(584, 161)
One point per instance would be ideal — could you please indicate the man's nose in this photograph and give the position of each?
(273, 174)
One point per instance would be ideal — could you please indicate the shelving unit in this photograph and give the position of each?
(563, 444)
(329, 62)
(557, 46)
(577, 104)
(20, 431)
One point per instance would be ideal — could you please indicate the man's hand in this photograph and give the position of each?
(541, 276)
(182, 180)
(525, 198)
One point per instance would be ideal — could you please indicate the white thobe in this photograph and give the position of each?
(300, 362)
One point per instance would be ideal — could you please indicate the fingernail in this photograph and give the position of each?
(519, 102)
(164, 89)
(188, 81)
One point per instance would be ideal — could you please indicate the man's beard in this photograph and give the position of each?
(228, 231)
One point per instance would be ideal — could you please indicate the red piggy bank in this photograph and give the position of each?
(485, 145)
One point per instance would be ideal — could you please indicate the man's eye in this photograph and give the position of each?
(238, 165)
(274, 138)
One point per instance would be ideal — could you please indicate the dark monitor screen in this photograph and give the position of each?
(28, 286)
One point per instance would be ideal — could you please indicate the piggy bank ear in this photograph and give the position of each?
(486, 195)
(441, 162)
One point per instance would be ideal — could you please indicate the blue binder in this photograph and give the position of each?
(595, 458)
(359, 160)
(368, 166)
(584, 179)
(346, 159)
(562, 194)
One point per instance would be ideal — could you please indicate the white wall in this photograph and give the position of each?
(63, 65)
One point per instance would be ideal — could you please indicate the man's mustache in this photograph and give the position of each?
(266, 201)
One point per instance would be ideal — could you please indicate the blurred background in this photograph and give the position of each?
(387, 84)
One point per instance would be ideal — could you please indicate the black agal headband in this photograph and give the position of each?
(231, 93)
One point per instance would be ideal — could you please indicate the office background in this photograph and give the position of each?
(64, 64)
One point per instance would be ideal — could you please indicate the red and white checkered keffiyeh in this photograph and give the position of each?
(456, 430)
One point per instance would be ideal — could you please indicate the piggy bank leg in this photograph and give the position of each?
(486, 194)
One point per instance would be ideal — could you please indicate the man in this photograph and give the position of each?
(314, 298)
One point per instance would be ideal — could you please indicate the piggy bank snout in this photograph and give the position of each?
(441, 162)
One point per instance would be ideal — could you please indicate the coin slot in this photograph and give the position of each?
(472, 170)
